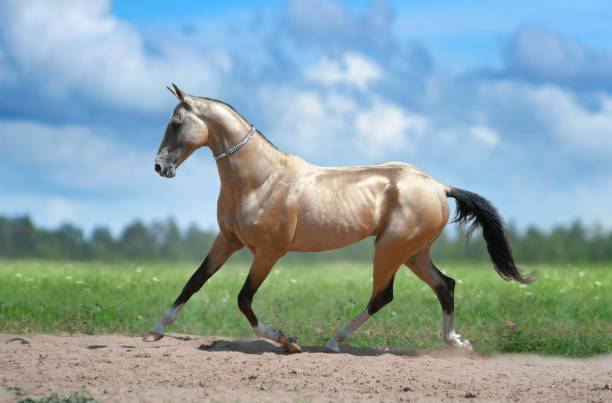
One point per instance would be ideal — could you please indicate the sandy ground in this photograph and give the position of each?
(183, 368)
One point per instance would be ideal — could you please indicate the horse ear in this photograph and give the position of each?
(178, 92)
(172, 91)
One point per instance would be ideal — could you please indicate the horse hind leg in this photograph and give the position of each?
(385, 267)
(444, 288)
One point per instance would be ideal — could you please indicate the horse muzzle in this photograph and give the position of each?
(165, 170)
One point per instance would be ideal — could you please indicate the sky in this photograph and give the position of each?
(512, 100)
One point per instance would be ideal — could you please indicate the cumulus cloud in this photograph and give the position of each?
(93, 179)
(552, 112)
(538, 54)
(90, 53)
(328, 125)
(385, 126)
(307, 121)
(352, 69)
(579, 128)
(331, 24)
(64, 156)
(485, 135)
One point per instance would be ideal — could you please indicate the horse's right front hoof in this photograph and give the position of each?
(152, 337)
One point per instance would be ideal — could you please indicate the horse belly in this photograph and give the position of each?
(330, 222)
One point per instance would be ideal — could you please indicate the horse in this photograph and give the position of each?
(272, 202)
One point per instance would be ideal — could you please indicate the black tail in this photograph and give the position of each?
(478, 211)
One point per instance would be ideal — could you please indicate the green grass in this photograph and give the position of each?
(567, 311)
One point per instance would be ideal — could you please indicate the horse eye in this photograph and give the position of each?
(176, 125)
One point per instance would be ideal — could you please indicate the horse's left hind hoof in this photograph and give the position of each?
(292, 347)
(152, 337)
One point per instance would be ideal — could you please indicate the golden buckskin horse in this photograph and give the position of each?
(272, 203)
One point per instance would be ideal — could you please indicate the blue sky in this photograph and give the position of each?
(512, 100)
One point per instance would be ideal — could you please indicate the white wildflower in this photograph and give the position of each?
(155, 279)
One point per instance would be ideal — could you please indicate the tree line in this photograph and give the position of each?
(164, 240)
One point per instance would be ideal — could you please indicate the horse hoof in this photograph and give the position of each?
(152, 337)
(292, 348)
(332, 346)
(467, 346)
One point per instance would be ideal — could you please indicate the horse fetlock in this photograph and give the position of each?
(273, 334)
(159, 330)
(454, 339)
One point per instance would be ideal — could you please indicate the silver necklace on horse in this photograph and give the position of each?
(236, 146)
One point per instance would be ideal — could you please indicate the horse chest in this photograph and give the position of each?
(256, 219)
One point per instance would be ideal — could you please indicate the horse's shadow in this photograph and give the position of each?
(262, 346)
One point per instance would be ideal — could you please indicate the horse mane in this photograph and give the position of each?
(242, 117)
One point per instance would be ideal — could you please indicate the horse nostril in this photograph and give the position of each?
(157, 168)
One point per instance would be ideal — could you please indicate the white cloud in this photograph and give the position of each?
(330, 23)
(93, 180)
(543, 54)
(78, 47)
(485, 135)
(326, 124)
(549, 110)
(385, 127)
(580, 129)
(352, 69)
(308, 122)
(73, 156)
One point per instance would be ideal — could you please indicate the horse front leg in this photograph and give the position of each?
(222, 248)
(260, 268)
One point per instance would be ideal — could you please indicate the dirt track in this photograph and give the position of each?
(120, 368)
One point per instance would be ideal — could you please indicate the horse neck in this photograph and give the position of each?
(250, 166)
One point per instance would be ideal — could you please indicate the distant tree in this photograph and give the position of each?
(6, 239)
(197, 242)
(19, 238)
(170, 240)
(24, 240)
(576, 243)
(137, 242)
(102, 245)
(70, 241)
(532, 246)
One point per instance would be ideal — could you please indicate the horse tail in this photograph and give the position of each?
(477, 211)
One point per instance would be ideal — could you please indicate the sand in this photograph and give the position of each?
(183, 368)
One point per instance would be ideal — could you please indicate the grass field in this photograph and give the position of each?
(567, 311)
